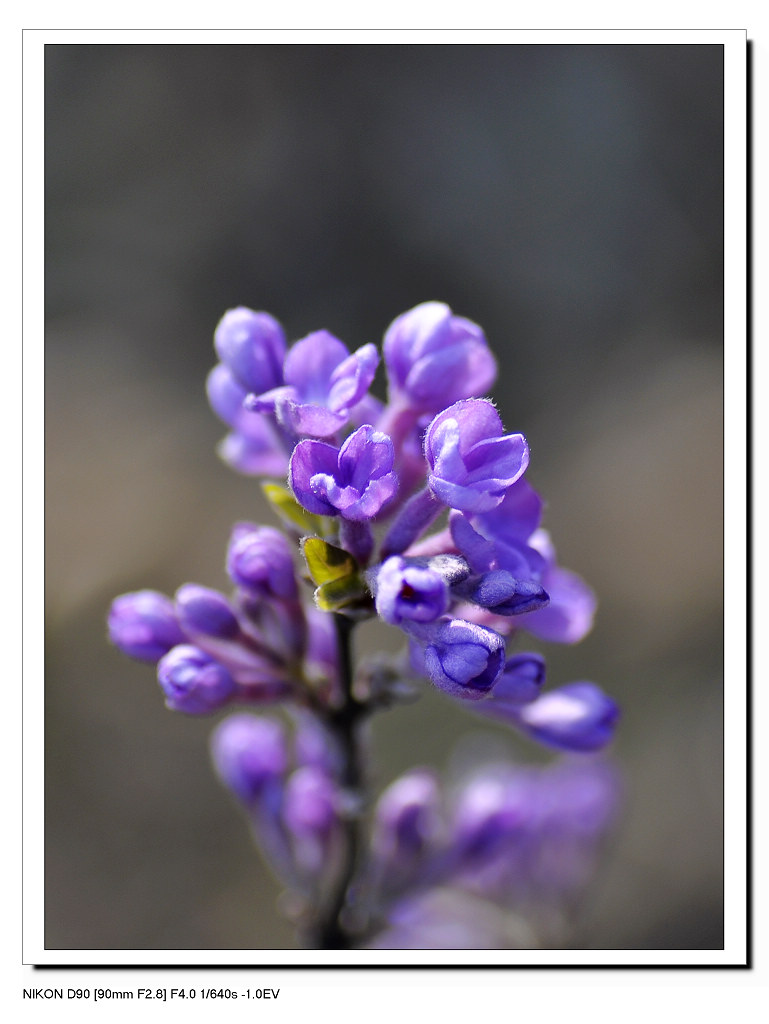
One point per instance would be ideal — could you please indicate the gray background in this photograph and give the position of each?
(567, 198)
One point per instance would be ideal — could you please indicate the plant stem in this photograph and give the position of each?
(343, 723)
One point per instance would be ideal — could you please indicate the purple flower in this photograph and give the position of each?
(252, 346)
(472, 462)
(355, 481)
(249, 753)
(492, 809)
(409, 591)
(259, 559)
(461, 658)
(434, 358)
(323, 384)
(193, 682)
(578, 717)
(144, 625)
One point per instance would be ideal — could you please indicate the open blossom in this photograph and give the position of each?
(434, 358)
(472, 461)
(355, 481)
(322, 385)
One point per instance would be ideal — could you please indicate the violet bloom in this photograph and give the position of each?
(249, 753)
(434, 358)
(323, 384)
(144, 625)
(461, 658)
(472, 461)
(259, 559)
(408, 591)
(252, 346)
(193, 682)
(577, 717)
(354, 482)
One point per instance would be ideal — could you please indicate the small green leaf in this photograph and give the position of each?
(327, 564)
(342, 593)
(289, 509)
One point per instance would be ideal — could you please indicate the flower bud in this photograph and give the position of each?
(144, 625)
(472, 462)
(259, 560)
(249, 754)
(206, 612)
(193, 682)
(464, 659)
(577, 717)
(434, 358)
(252, 346)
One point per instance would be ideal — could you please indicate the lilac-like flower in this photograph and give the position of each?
(472, 461)
(144, 625)
(259, 559)
(578, 717)
(355, 481)
(252, 346)
(434, 358)
(193, 682)
(249, 753)
(323, 384)
(491, 811)
(461, 658)
(409, 591)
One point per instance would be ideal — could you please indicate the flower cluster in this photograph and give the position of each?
(417, 510)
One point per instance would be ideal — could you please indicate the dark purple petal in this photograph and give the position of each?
(193, 682)
(144, 625)
(252, 345)
(502, 593)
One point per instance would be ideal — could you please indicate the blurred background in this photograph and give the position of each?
(569, 199)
